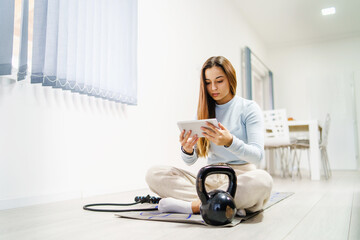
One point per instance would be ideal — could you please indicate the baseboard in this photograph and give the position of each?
(49, 198)
(34, 200)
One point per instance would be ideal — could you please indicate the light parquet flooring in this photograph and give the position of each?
(317, 210)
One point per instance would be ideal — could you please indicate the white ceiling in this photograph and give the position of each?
(291, 22)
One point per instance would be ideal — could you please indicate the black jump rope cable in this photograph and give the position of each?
(137, 199)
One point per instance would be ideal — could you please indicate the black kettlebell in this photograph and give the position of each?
(217, 207)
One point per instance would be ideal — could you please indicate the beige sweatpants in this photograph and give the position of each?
(253, 185)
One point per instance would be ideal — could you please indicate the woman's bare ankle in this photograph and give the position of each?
(195, 206)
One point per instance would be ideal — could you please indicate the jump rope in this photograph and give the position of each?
(137, 199)
(217, 207)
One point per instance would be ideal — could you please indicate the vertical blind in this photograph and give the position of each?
(84, 46)
(6, 35)
(23, 53)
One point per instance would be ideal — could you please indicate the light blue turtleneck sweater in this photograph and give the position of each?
(243, 118)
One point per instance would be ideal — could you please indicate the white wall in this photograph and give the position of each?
(315, 79)
(56, 145)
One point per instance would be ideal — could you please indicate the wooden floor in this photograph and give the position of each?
(317, 210)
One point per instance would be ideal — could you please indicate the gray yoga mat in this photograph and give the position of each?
(275, 198)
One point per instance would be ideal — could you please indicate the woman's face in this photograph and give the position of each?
(217, 85)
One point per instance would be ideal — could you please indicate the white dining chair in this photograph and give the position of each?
(297, 148)
(323, 147)
(277, 139)
(304, 145)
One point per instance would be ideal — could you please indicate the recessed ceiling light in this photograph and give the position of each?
(328, 11)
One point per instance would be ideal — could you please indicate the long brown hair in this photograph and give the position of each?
(206, 106)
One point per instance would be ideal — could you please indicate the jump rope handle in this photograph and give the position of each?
(147, 199)
(137, 200)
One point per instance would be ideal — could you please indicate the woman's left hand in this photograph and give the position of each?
(219, 136)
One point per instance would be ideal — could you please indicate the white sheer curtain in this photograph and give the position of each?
(257, 80)
(260, 84)
(87, 46)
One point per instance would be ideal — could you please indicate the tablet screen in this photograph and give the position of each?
(195, 125)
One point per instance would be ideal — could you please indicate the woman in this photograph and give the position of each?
(237, 141)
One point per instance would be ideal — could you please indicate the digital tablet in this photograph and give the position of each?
(195, 125)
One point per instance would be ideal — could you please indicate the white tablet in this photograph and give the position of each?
(195, 125)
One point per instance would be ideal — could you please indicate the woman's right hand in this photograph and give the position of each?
(188, 143)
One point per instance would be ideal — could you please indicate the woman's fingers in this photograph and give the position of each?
(190, 143)
(208, 131)
(222, 126)
(182, 135)
(184, 138)
(218, 135)
(208, 136)
(194, 140)
(212, 127)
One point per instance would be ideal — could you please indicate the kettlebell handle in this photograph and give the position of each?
(214, 169)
